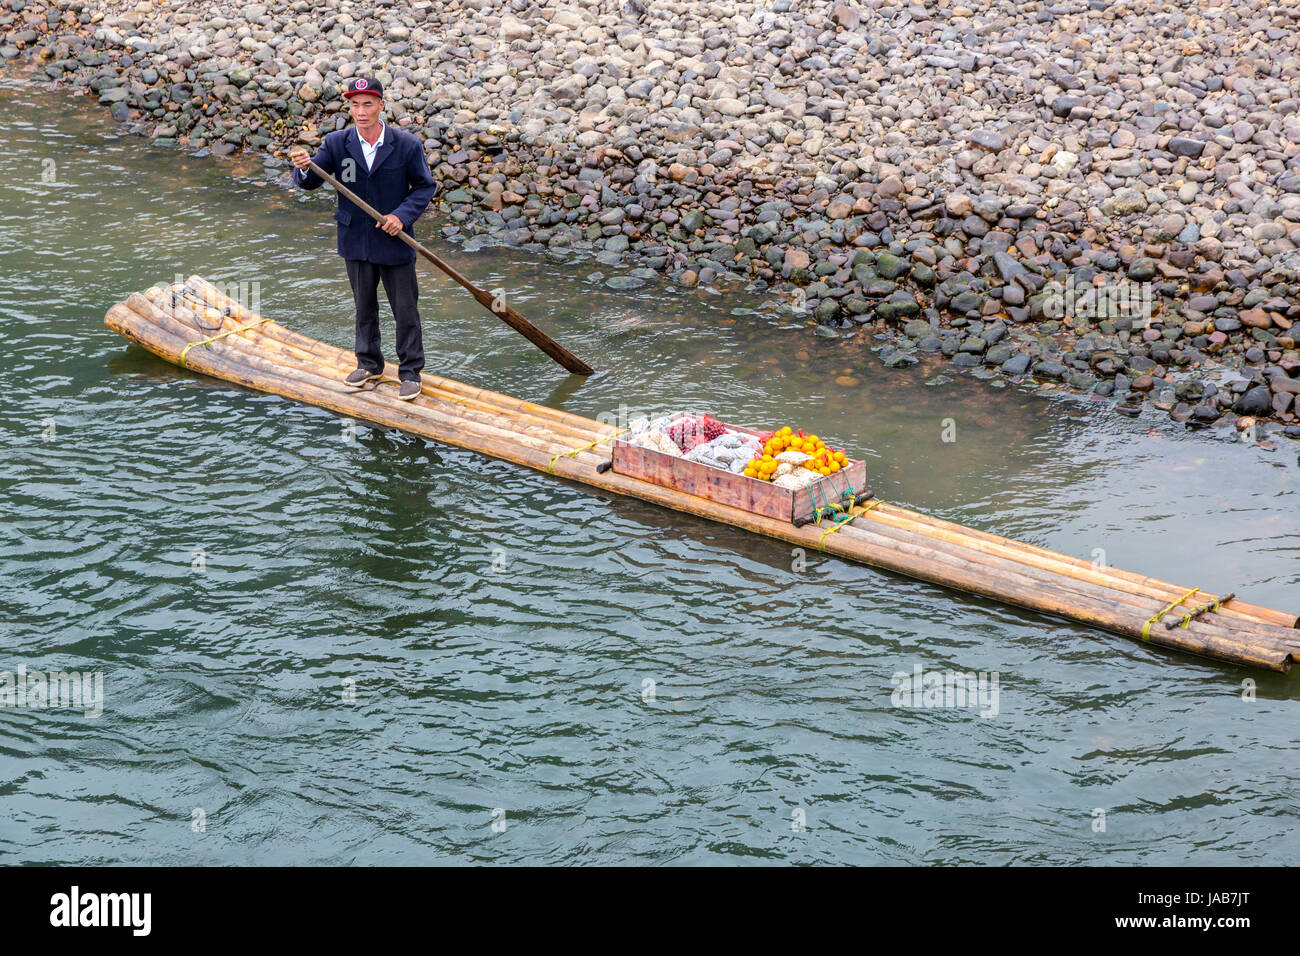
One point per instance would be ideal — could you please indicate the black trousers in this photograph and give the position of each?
(402, 289)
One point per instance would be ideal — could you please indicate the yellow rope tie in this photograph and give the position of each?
(222, 335)
(1146, 628)
(821, 543)
(599, 441)
(1209, 608)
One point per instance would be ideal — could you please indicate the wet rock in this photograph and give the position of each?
(899, 359)
(889, 266)
(1142, 269)
(898, 307)
(1008, 268)
(624, 283)
(1016, 365)
(1254, 401)
(997, 355)
(795, 259)
(994, 332)
(827, 310)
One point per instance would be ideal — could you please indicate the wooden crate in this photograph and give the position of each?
(741, 491)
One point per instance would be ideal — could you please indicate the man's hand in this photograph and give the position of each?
(390, 224)
(299, 157)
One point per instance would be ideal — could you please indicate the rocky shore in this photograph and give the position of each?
(1103, 196)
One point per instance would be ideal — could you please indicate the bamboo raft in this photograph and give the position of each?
(195, 325)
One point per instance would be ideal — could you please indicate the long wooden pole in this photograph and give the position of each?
(497, 306)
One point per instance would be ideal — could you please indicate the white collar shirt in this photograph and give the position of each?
(368, 151)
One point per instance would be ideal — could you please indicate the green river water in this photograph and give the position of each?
(316, 650)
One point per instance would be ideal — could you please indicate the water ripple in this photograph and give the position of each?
(355, 651)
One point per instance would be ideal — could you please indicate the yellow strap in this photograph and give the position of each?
(1209, 608)
(821, 543)
(222, 335)
(1146, 628)
(551, 467)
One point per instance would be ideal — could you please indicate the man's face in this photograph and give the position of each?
(365, 108)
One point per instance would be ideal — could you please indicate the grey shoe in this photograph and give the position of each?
(408, 390)
(361, 377)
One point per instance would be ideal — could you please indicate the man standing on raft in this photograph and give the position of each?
(386, 168)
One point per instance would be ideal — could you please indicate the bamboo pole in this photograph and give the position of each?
(1139, 606)
(1157, 586)
(277, 353)
(505, 402)
(339, 359)
(1028, 592)
(297, 358)
(263, 366)
(502, 429)
(152, 332)
(1062, 564)
(509, 434)
(877, 550)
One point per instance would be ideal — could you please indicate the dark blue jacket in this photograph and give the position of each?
(400, 183)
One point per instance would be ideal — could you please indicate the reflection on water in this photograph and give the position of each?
(236, 569)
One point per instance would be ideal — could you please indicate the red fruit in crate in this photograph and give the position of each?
(682, 430)
(713, 428)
